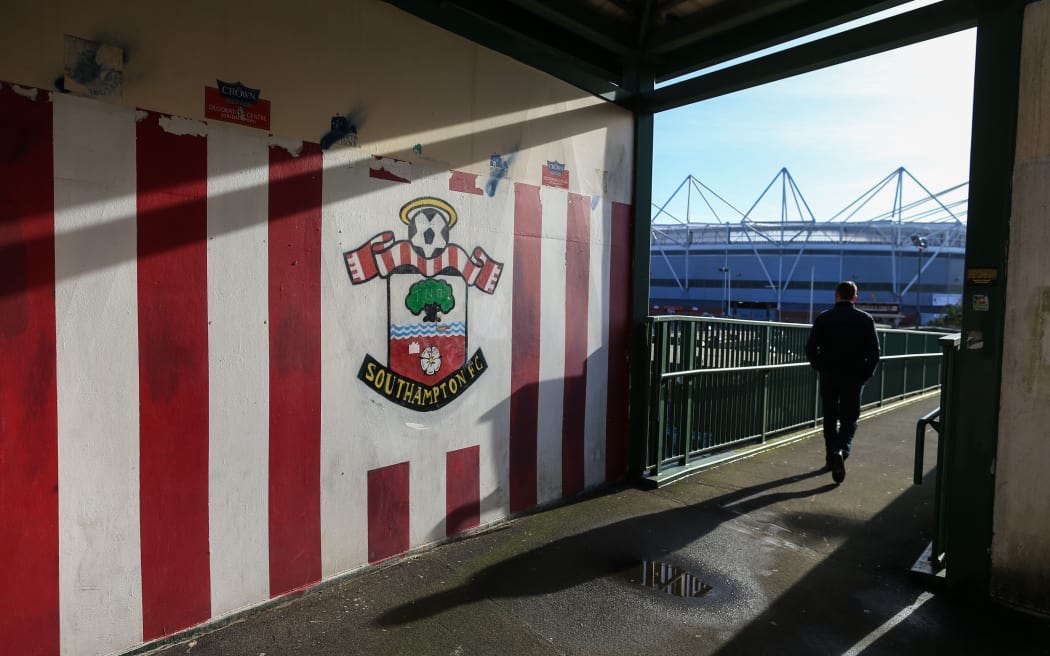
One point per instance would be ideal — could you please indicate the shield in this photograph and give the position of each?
(427, 326)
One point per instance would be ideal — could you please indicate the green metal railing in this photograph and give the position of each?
(939, 419)
(721, 383)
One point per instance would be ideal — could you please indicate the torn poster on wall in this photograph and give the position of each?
(427, 282)
(234, 102)
(92, 68)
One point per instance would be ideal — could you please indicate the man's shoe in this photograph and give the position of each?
(838, 467)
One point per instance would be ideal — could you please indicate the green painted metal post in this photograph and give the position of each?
(765, 404)
(816, 401)
(689, 388)
(904, 370)
(882, 374)
(642, 195)
(663, 349)
(974, 424)
(766, 357)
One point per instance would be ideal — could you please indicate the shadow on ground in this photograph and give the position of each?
(611, 549)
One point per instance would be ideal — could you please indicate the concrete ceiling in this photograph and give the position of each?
(618, 49)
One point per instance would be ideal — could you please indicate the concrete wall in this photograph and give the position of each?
(1021, 543)
(206, 401)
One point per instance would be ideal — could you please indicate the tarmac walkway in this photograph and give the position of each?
(772, 556)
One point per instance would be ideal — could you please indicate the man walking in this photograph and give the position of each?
(844, 347)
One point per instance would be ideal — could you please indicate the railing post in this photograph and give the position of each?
(689, 390)
(816, 401)
(904, 374)
(765, 404)
(660, 392)
(769, 344)
(882, 374)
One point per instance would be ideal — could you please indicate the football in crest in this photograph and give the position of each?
(428, 232)
(429, 221)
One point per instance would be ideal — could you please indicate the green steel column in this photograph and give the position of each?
(642, 194)
(971, 458)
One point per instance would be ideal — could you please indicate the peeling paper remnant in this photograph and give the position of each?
(389, 168)
(293, 146)
(25, 92)
(183, 126)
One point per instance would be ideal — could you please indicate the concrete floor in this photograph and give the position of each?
(783, 561)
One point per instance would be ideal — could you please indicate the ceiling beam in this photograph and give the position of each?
(701, 42)
(563, 56)
(590, 25)
(511, 19)
(699, 25)
(928, 22)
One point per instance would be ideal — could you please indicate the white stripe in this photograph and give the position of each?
(96, 303)
(888, 625)
(353, 323)
(238, 368)
(488, 414)
(555, 207)
(598, 346)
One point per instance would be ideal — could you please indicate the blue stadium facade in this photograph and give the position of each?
(907, 259)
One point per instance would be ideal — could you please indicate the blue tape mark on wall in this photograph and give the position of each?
(343, 130)
(498, 167)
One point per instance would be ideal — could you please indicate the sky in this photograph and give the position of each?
(839, 131)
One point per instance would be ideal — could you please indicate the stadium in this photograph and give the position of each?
(902, 243)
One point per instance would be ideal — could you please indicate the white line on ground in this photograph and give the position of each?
(869, 639)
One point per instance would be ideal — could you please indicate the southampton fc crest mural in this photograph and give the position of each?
(428, 364)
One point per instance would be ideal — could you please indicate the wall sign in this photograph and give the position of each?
(982, 275)
(555, 175)
(235, 103)
(427, 282)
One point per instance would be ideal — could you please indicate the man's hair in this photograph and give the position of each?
(846, 290)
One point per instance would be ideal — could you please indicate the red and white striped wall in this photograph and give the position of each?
(183, 433)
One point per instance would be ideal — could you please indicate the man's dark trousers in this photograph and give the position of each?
(841, 398)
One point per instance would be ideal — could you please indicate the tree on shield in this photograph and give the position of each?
(430, 296)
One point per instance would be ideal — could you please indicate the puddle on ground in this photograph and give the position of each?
(667, 579)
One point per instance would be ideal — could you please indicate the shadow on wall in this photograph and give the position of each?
(549, 457)
(17, 140)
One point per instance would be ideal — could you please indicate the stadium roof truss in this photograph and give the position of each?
(886, 216)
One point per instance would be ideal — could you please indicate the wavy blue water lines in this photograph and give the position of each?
(428, 330)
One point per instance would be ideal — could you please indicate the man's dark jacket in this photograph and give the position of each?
(843, 343)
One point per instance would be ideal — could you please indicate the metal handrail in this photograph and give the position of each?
(935, 556)
(718, 383)
(787, 365)
(930, 419)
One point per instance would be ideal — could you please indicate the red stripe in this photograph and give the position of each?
(295, 368)
(28, 405)
(407, 255)
(577, 284)
(389, 263)
(462, 490)
(172, 175)
(387, 512)
(525, 344)
(619, 342)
